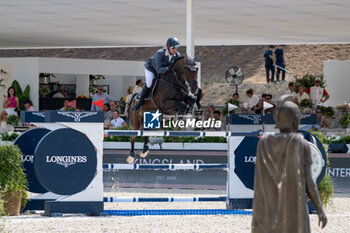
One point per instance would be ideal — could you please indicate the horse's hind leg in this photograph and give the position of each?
(131, 157)
(145, 149)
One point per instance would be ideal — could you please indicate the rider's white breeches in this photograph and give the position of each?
(149, 78)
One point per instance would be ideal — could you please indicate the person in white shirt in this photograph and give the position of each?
(301, 95)
(291, 89)
(252, 98)
(117, 121)
(138, 87)
(318, 95)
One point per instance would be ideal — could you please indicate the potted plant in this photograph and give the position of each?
(306, 103)
(44, 91)
(344, 120)
(12, 120)
(44, 78)
(327, 111)
(13, 182)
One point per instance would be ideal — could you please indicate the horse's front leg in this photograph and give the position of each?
(131, 157)
(145, 149)
(190, 103)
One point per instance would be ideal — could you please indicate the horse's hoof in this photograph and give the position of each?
(130, 159)
(144, 155)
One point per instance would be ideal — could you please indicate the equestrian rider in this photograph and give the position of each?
(158, 64)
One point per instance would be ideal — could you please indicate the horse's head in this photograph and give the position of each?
(190, 73)
(185, 68)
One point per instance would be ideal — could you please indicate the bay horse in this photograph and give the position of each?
(170, 96)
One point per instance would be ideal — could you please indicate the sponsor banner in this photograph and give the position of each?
(65, 161)
(74, 116)
(339, 170)
(27, 143)
(184, 178)
(258, 119)
(32, 116)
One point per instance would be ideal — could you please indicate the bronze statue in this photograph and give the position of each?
(283, 177)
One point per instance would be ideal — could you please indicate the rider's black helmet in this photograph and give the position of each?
(172, 42)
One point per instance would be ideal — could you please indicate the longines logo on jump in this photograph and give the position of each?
(77, 116)
(66, 160)
(152, 120)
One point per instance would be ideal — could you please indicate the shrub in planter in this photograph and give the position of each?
(13, 182)
(307, 81)
(327, 111)
(325, 187)
(9, 137)
(306, 103)
(12, 120)
(344, 120)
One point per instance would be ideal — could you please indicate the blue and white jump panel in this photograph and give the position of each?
(153, 133)
(165, 199)
(177, 212)
(196, 167)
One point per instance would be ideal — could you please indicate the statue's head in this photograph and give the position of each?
(287, 114)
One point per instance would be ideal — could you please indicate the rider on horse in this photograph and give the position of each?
(158, 64)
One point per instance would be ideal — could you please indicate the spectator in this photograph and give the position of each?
(209, 112)
(66, 106)
(318, 95)
(138, 87)
(106, 109)
(61, 92)
(279, 60)
(268, 99)
(100, 96)
(112, 107)
(235, 96)
(127, 102)
(217, 117)
(259, 108)
(269, 64)
(117, 121)
(252, 98)
(301, 95)
(11, 102)
(321, 120)
(291, 89)
(4, 128)
(28, 104)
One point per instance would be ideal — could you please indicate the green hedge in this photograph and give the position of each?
(9, 137)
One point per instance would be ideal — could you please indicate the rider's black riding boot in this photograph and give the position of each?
(143, 95)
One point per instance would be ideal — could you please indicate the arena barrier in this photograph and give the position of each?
(71, 143)
(165, 199)
(177, 212)
(174, 166)
(180, 133)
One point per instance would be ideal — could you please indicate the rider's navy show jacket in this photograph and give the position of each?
(160, 61)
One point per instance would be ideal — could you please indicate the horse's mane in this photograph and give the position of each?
(175, 61)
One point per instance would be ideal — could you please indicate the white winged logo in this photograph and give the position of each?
(77, 116)
(40, 114)
(255, 118)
